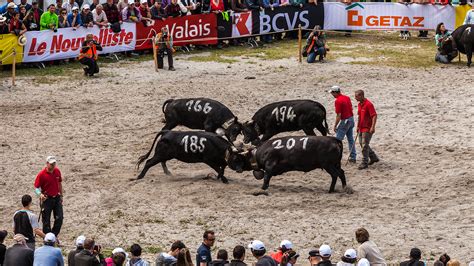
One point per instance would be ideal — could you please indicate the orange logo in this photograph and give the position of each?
(354, 18)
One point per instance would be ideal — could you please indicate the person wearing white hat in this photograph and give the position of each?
(86, 16)
(284, 247)
(19, 253)
(3, 8)
(48, 254)
(48, 186)
(4, 29)
(349, 258)
(325, 252)
(363, 262)
(68, 5)
(90, 256)
(258, 251)
(118, 257)
(79, 247)
(11, 9)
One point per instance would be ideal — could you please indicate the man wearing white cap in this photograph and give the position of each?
(325, 252)
(48, 254)
(48, 186)
(86, 16)
(68, 5)
(284, 247)
(349, 258)
(4, 29)
(79, 247)
(344, 125)
(19, 254)
(258, 251)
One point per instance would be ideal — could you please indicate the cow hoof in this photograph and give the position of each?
(261, 192)
(348, 189)
(225, 180)
(258, 174)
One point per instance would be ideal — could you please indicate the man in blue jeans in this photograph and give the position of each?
(344, 125)
(316, 45)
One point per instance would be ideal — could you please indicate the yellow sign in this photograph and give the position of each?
(7, 43)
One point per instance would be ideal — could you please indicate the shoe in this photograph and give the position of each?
(363, 166)
(352, 160)
(172, 69)
(374, 160)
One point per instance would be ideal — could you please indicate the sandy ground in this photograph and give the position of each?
(420, 194)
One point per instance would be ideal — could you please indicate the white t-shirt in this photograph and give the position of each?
(99, 18)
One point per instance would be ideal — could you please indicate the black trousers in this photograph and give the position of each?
(161, 54)
(55, 206)
(92, 67)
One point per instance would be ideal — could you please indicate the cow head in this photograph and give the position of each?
(239, 159)
(250, 132)
(233, 130)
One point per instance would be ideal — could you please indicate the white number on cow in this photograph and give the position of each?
(283, 113)
(193, 143)
(198, 107)
(290, 143)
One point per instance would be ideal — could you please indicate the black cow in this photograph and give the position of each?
(189, 147)
(463, 37)
(281, 155)
(201, 113)
(285, 116)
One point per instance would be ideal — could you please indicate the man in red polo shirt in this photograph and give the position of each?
(344, 125)
(366, 128)
(49, 187)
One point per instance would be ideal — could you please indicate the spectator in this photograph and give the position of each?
(48, 185)
(25, 222)
(4, 7)
(74, 18)
(59, 6)
(122, 5)
(316, 45)
(284, 247)
(25, 4)
(68, 5)
(173, 9)
(49, 21)
(62, 19)
(217, 6)
(112, 12)
(157, 11)
(90, 256)
(11, 10)
(16, 25)
(3, 248)
(88, 56)
(239, 256)
(184, 258)
(349, 258)
(131, 13)
(37, 12)
(145, 13)
(79, 247)
(344, 125)
(99, 16)
(366, 129)
(325, 252)
(48, 254)
(253, 5)
(170, 258)
(469, 19)
(441, 35)
(471, 263)
(258, 251)
(4, 28)
(23, 12)
(222, 258)
(368, 249)
(188, 7)
(454, 262)
(313, 257)
(19, 254)
(203, 256)
(363, 262)
(116, 258)
(415, 256)
(444, 259)
(238, 6)
(289, 258)
(94, 4)
(135, 260)
(86, 17)
(298, 3)
(439, 263)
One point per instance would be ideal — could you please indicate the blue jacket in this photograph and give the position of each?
(70, 17)
(48, 255)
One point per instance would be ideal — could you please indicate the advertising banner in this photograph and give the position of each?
(195, 29)
(66, 43)
(7, 43)
(387, 16)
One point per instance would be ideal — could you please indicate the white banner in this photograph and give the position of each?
(387, 16)
(66, 43)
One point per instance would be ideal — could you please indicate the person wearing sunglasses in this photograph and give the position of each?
(203, 256)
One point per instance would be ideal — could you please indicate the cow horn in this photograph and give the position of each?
(220, 132)
(234, 149)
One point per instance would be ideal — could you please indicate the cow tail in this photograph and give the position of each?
(144, 157)
(325, 120)
(163, 108)
(341, 149)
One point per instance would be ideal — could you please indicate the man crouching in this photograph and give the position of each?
(165, 47)
(88, 55)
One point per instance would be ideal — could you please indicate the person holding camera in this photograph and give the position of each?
(165, 47)
(90, 256)
(88, 55)
(49, 20)
(316, 45)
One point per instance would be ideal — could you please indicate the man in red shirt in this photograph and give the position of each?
(344, 125)
(48, 185)
(366, 128)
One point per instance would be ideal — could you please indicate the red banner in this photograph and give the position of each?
(195, 29)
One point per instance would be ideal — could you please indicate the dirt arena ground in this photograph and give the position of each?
(420, 194)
